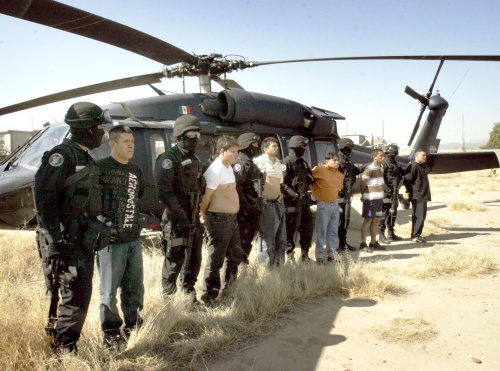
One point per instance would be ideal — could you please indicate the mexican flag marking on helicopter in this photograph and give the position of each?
(185, 110)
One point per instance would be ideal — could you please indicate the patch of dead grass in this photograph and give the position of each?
(467, 203)
(451, 261)
(404, 331)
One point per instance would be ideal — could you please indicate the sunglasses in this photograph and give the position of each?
(192, 134)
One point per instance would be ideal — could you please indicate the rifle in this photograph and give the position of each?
(347, 198)
(394, 203)
(192, 238)
(301, 189)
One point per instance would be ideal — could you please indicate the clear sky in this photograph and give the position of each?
(37, 60)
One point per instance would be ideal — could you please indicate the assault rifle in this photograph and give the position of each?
(301, 190)
(347, 198)
(394, 203)
(193, 234)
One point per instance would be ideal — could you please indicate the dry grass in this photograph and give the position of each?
(467, 203)
(175, 335)
(404, 331)
(451, 261)
(432, 226)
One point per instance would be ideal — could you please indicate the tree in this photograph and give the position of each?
(494, 141)
(3, 150)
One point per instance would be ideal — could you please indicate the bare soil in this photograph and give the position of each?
(451, 323)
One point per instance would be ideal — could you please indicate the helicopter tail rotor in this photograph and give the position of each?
(424, 100)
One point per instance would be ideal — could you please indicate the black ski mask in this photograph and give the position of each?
(90, 138)
(299, 151)
(187, 144)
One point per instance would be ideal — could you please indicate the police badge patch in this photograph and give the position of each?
(166, 164)
(237, 167)
(56, 159)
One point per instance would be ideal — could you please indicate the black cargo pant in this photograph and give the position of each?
(173, 263)
(248, 225)
(305, 228)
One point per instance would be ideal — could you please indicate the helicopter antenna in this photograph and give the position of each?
(459, 83)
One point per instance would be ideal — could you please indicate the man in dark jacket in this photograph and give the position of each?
(68, 199)
(178, 177)
(416, 183)
(249, 184)
(298, 178)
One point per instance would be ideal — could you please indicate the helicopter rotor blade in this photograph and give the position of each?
(477, 58)
(429, 93)
(66, 18)
(86, 90)
(417, 124)
(412, 93)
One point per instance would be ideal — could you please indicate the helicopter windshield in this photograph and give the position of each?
(32, 156)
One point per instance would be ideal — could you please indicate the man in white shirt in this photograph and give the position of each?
(218, 208)
(272, 229)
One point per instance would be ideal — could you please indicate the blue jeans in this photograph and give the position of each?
(327, 225)
(272, 233)
(120, 266)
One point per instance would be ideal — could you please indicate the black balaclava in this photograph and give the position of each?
(187, 144)
(90, 138)
(299, 151)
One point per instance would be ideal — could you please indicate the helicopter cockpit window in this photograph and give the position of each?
(32, 157)
(322, 148)
(157, 146)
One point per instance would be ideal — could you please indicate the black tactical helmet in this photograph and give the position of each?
(186, 123)
(392, 150)
(244, 140)
(345, 142)
(85, 115)
(297, 141)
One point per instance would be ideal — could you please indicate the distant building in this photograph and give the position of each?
(357, 139)
(15, 138)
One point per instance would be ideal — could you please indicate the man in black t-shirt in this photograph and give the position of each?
(120, 264)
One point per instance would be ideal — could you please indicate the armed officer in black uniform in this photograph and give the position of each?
(393, 174)
(350, 172)
(298, 177)
(249, 187)
(67, 198)
(178, 177)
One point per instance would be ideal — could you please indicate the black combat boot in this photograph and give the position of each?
(391, 236)
(305, 255)
(384, 239)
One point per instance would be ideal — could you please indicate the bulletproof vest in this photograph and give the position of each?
(347, 168)
(299, 172)
(392, 173)
(81, 192)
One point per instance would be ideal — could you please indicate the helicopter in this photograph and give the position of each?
(231, 111)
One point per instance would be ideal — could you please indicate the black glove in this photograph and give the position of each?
(58, 250)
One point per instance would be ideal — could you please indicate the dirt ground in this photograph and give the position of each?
(463, 315)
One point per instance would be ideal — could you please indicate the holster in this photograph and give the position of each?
(97, 237)
(170, 239)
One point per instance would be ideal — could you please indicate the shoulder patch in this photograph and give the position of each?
(166, 164)
(283, 167)
(237, 167)
(56, 160)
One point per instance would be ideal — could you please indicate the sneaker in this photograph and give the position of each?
(364, 247)
(418, 239)
(320, 262)
(377, 246)
(114, 342)
(350, 247)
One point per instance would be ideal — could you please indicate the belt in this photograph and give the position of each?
(225, 215)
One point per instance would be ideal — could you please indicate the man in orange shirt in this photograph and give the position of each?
(325, 189)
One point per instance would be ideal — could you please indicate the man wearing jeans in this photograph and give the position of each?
(218, 208)
(120, 263)
(328, 182)
(272, 227)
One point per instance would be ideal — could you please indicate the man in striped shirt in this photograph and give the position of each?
(372, 194)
